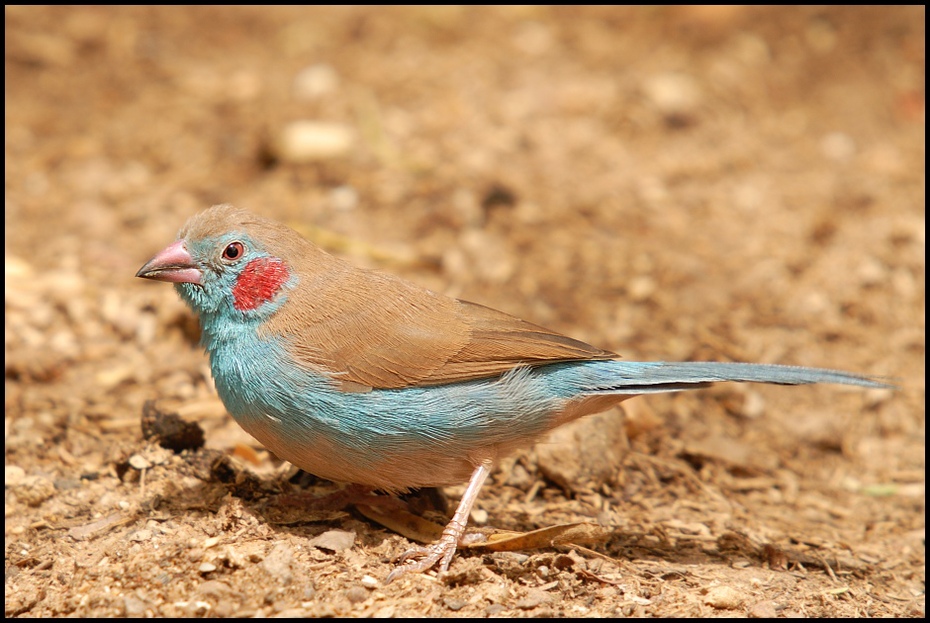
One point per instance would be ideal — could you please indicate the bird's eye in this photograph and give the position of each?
(233, 251)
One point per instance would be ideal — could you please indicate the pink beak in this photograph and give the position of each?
(172, 264)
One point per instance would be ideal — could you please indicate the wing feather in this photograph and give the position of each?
(372, 329)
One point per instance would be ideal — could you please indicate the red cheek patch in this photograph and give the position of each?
(258, 282)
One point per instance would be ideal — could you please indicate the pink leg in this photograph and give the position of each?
(442, 550)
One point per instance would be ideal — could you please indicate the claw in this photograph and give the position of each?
(443, 550)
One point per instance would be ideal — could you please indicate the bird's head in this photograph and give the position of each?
(228, 263)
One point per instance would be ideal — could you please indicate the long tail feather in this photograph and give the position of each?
(634, 377)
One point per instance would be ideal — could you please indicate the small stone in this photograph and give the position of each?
(169, 429)
(872, 272)
(838, 146)
(603, 439)
(519, 477)
(215, 589)
(315, 81)
(753, 405)
(334, 540)
(641, 288)
(723, 598)
(370, 582)
(534, 597)
(479, 516)
(137, 461)
(385, 612)
(675, 95)
(301, 142)
(207, 567)
(454, 603)
(133, 606)
(141, 536)
(113, 376)
(278, 563)
(343, 198)
(13, 475)
(356, 595)
(763, 610)
(34, 490)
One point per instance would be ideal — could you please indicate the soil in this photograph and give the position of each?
(668, 183)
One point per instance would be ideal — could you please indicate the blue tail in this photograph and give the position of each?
(653, 377)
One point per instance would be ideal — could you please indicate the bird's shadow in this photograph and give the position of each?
(316, 507)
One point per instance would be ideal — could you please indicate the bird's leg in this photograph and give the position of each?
(442, 550)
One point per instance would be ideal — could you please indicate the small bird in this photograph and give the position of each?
(361, 377)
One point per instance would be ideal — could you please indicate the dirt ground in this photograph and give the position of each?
(668, 183)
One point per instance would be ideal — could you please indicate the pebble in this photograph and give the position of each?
(723, 598)
(838, 147)
(334, 540)
(33, 490)
(278, 563)
(534, 597)
(454, 603)
(674, 94)
(13, 475)
(356, 594)
(763, 610)
(343, 198)
(137, 461)
(141, 536)
(315, 81)
(641, 288)
(603, 439)
(133, 606)
(300, 142)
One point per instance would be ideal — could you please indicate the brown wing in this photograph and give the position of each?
(498, 342)
(374, 330)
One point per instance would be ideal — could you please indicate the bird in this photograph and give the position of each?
(361, 377)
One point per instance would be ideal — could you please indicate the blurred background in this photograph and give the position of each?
(726, 183)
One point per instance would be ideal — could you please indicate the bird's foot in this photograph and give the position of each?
(443, 550)
(440, 552)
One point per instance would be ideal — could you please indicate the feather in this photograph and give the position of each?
(369, 329)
